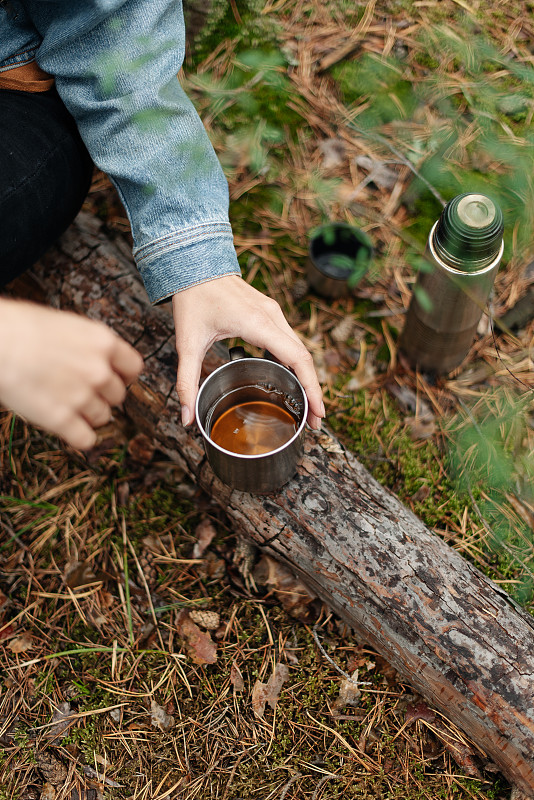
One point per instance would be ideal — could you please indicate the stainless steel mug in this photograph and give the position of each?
(241, 380)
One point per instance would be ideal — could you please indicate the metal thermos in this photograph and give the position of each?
(464, 250)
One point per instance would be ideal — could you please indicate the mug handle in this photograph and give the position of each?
(269, 356)
(237, 353)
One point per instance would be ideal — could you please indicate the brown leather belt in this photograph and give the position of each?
(26, 78)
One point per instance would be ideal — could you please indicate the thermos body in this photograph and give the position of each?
(464, 249)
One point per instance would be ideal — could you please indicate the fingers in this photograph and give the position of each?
(96, 411)
(296, 356)
(228, 307)
(61, 371)
(286, 346)
(76, 431)
(188, 377)
(111, 388)
(126, 361)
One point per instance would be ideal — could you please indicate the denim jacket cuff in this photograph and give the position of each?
(182, 259)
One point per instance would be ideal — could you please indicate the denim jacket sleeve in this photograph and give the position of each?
(115, 63)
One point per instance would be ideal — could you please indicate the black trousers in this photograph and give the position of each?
(45, 173)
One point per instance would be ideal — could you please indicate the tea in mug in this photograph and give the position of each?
(253, 428)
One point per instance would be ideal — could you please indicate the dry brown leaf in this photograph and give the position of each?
(294, 595)
(421, 494)
(409, 400)
(141, 449)
(205, 533)
(200, 645)
(290, 656)
(463, 755)
(379, 173)
(52, 770)
(212, 568)
(365, 371)
(123, 493)
(159, 717)
(80, 573)
(236, 678)
(421, 427)
(419, 711)
(158, 545)
(422, 424)
(60, 722)
(6, 631)
(269, 692)
(349, 693)
(332, 360)
(101, 778)
(20, 644)
(48, 792)
(460, 750)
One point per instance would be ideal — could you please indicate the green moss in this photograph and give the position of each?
(211, 21)
(378, 436)
(381, 81)
(375, 431)
(425, 59)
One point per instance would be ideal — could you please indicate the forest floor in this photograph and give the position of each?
(118, 576)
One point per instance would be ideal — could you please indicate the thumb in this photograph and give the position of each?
(187, 380)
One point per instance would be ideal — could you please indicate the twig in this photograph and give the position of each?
(497, 349)
(397, 153)
(235, 12)
(131, 636)
(333, 663)
(289, 784)
(323, 780)
(71, 718)
(147, 590)
(362, 759)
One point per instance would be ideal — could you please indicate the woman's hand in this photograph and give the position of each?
(61, 371)
(228, 307)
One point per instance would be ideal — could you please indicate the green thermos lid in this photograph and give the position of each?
(468, 234)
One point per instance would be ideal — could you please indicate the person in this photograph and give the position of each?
(95, 81)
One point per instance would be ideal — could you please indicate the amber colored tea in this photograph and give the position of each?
(253, 428)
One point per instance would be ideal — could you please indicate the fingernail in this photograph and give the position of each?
(323, 409)
(186, 415)
(314, 422)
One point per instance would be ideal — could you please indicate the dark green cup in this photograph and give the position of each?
(338, 257)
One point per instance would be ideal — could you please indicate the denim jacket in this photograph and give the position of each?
(115, 64)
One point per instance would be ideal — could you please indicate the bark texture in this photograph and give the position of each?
(453, 634)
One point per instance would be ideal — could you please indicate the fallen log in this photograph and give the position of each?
(449, 631)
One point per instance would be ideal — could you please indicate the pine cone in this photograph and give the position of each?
(299, 289)
(146, 561)
(343, 329)
(209, 620)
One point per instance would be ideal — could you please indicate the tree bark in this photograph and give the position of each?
(451, 633)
